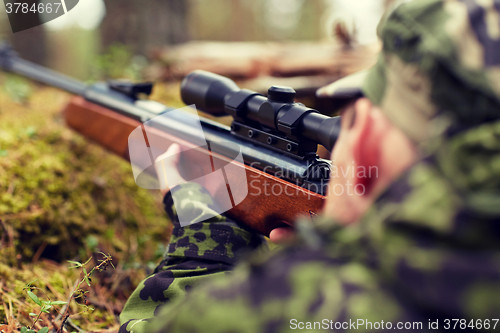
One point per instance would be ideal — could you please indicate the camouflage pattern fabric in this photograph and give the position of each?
(428, 251)
(196, 252)
(439, 70)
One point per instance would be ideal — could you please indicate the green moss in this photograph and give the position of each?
(57, 188)
(61, 197)
(5, 272)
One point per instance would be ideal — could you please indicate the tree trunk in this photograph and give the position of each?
(30, 44)
(144, 25)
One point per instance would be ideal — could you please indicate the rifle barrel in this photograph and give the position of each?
(10, 62)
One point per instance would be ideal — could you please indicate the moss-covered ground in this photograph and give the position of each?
(65, 198)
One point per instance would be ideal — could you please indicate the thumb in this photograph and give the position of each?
(170, 158)
(174, 154)
(167, 164)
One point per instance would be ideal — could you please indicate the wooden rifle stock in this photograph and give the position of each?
(270, 201)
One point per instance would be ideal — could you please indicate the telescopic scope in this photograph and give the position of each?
(276, 121)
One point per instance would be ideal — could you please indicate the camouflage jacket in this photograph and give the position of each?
(428, 252)
(425, 256)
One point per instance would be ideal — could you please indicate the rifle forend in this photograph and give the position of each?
(275, 122)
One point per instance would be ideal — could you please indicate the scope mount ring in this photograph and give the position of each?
(304, 150)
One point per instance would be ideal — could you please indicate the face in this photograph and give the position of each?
(340, 205)
(370, 153)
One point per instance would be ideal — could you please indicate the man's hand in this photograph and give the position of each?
(169, 161)
(169, 164)
(282, 235)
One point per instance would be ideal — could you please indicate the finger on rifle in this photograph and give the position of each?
(282, 235)
(167, 168)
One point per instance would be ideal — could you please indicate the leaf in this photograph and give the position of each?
(29, 283)
(34, 297)
(76, 263)
(33, 314)
(26, 330)
(86, 277)
(58, 303)
(44, 330)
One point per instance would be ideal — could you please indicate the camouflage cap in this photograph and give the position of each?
(440, 60)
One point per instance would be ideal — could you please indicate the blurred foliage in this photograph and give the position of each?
(118, 63)
(107, 294)
(17, 88)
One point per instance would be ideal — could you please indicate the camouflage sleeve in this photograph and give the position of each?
(288, 290)
(196, 252)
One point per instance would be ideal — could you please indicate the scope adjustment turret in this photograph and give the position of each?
(281, 94)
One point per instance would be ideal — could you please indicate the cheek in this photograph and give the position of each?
(341, 154)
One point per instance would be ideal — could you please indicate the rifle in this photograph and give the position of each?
(277, 138)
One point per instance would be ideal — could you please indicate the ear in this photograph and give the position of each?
(366, 135)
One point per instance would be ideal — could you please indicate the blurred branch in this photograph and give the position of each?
(8, 233)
